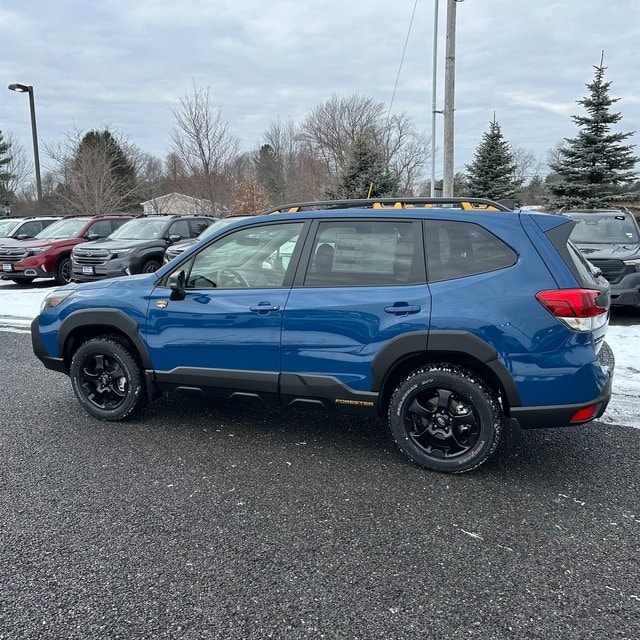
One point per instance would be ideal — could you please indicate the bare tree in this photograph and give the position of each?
(95, 172)
(331, 130)
(332, 127)
(527, 163)
(204, 144)
(19, 167)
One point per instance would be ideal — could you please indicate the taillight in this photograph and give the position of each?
(579, 309)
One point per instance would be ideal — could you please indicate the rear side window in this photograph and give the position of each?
(459, 249)
(362, 252)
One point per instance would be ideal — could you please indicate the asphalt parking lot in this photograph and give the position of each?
(201, 519)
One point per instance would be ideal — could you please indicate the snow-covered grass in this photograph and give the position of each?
(18, 307)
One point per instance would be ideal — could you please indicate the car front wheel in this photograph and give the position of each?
(445, 418)
(107, 379)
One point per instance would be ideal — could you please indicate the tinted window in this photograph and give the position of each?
(458, 249)
(198, 226)
(102, 228)
(180, 228)
(363, 252)
(30, 228)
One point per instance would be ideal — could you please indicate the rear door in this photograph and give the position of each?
(361, 287)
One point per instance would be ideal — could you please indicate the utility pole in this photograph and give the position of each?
(449, 92)
(434, 86)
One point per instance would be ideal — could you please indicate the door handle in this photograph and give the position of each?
(401, 309)
(264, 307)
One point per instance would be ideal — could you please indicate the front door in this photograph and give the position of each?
(226, 332)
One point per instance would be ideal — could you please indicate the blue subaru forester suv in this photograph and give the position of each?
(451, 317)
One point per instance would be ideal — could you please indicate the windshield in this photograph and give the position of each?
(592, 228)
(7, 227)
(62, 229)
(139, 229)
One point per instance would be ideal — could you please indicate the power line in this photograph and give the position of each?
(404, 50)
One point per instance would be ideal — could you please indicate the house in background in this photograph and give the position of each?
(178, 204)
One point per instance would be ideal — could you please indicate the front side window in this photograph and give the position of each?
(364, 253)
(459, 249)
(254, 257)
(180, 228)
(102, 228)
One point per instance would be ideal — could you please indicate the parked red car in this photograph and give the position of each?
(48, 254)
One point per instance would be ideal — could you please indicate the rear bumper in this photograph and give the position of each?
(560, 415)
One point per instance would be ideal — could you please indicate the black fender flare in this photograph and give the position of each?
(103, 318)
(424, 342)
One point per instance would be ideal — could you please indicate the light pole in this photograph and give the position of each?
(23, 88)
(449, 92)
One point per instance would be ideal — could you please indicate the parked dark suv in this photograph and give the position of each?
(24, 228)
(453, 318)
(136, 247)
(610, 240)
(48, 254)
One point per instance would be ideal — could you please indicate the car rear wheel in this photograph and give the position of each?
(107, 379)
(445, 418)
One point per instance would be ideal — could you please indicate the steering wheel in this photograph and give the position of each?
(230, 277)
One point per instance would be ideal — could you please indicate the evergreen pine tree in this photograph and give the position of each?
(5, 174)
(492, 174)
(366, 174)
(594, 169)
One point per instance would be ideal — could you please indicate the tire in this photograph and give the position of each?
(107, 379)
(446, 419)
(63, 271)
(150, 266)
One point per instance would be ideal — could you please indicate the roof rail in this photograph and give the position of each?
(467, 204)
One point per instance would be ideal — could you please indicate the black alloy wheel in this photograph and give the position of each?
(150, 266)
(107, 379)
(446, 419)
(63, 271)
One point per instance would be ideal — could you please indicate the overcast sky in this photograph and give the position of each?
(125, 64)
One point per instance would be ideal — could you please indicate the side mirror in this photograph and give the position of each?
(176, 283)
(92, 236)
(174, 238)
(23, 236)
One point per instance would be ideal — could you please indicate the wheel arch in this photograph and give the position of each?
(459, 348)
(81, 326)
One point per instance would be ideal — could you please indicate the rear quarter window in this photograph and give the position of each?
(459, 249)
